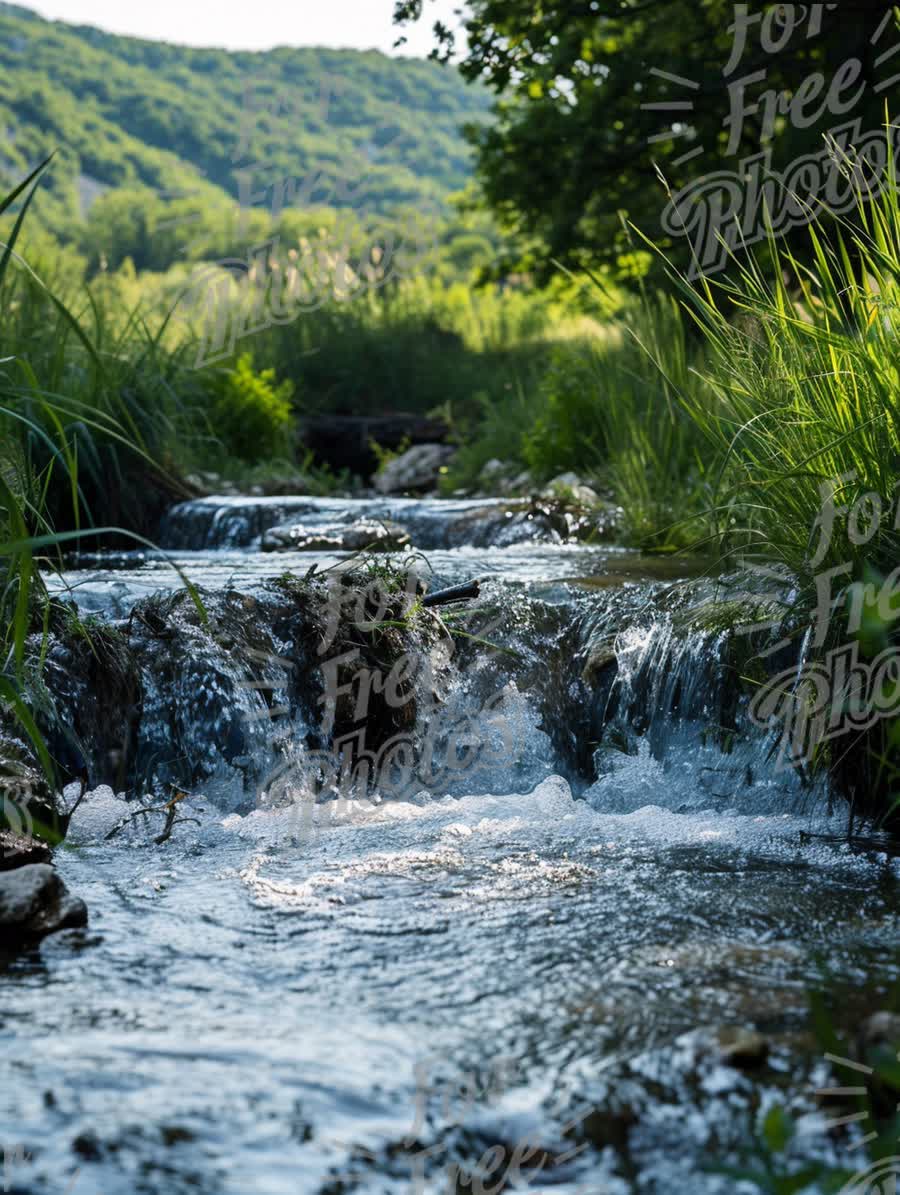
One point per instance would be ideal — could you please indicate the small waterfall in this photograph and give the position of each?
(209, 523)
(670, 710)
(635, 692)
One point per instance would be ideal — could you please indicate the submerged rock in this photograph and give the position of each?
(35, 902)
(608, 1127)
(416, 469)
(364, 534)
(237, 687)
(511, 523)
(600, 657)
(91, 723)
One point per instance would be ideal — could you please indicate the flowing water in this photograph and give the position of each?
(374, 995)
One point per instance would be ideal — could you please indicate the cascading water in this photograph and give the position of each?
(242, 522)
(371, 995)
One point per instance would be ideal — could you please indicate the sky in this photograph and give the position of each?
(254, 24)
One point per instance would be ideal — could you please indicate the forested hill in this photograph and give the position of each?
(124, 112)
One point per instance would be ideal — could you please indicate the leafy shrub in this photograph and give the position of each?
(569, 433)
(251, 415)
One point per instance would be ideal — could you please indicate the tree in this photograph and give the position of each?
(599, 101)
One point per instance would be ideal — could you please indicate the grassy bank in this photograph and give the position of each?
(757, 417)
(134, 349)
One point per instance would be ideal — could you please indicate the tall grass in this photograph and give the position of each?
(739, 415)
(608, 409)
(806, 373)
(106, 395)
(83, 414)
(613, 404)
(806, 437)
(718, 413)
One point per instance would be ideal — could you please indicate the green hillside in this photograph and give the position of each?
(335, 128)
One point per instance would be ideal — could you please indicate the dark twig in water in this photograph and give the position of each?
(172, 820)
(170, 809)
(456, 593)
(83, 781)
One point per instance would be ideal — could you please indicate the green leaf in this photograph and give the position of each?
(777, 1129)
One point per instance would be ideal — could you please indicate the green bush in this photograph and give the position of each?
(569, 433)
(251, 415)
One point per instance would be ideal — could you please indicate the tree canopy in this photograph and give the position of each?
(606, 106)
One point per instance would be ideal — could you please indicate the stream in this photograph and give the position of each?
(511, 982)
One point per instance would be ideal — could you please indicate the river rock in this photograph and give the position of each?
(98, 693)
(562, 481)
(416, 469)
(881, 1029)
(35, 902)
(585, 496)
(381, 536)
(492, 470)
(514, 522)
(878, 1034)
(601, 656)
(570, 486)
(742, 1049)
(608, 1127)
(223, 683)
(18, 850)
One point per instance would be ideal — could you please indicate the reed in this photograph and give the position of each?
(82, 412)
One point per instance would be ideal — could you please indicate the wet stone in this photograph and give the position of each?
(419, 468)
(35, 902)
(380, 536)
(880, 1030)
(742, 1049)
(17, 850)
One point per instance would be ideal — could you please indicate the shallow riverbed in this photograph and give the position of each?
(373, 997)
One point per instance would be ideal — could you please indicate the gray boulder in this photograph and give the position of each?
(380, 536)
(35, 902)
(416, 469)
